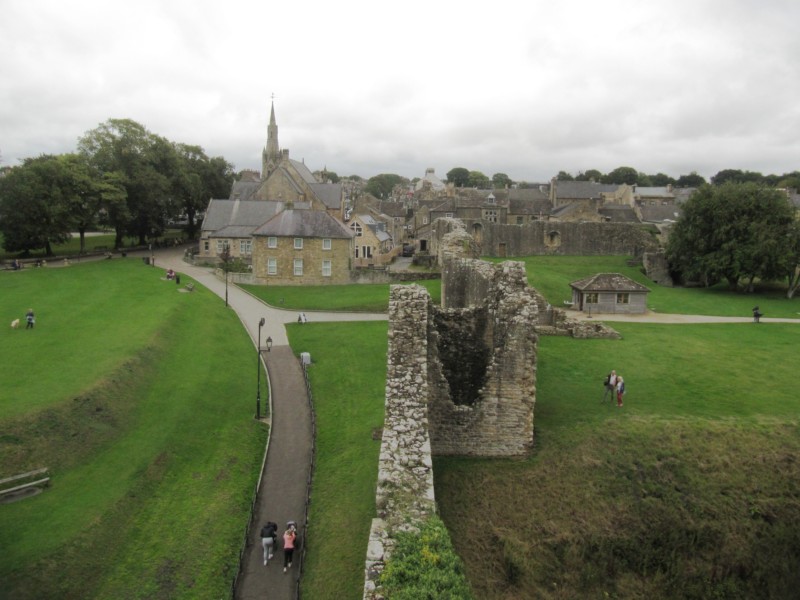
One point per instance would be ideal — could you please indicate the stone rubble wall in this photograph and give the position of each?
(404, 496)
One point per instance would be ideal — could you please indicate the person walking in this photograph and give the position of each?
(756, 314)
(30, 318)
(289, 537)
(620, 390)
(610, 385)
(269, 536)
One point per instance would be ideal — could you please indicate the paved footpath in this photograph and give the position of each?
(286, 477)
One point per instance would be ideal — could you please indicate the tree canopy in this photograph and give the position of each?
(458, 176)
(381, 186)
(733, 232)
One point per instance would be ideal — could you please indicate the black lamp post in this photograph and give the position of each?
(258, 369)
(269, 344)
(226, 255)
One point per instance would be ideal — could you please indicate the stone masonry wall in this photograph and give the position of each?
(404, 496)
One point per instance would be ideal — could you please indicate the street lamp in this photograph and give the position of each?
(226, 255)
(258, 368)
(269, 344)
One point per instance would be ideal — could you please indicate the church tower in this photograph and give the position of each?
(271, 155)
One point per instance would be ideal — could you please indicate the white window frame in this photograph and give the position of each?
(220, 246)
(298, 267)
(245, 246)
(298, 243)
(272, 265)
(327, 268)
(272, 242)
(326, 243)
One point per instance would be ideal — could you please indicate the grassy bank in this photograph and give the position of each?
(151, 444)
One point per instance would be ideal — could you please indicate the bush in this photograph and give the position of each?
(425, 565)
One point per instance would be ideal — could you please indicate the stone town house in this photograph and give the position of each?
(302, 247)
(283, 184)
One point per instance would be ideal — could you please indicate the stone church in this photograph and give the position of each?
(283, 223)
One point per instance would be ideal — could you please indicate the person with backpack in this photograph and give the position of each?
(620, 390)
(269, 537)
(610, 384)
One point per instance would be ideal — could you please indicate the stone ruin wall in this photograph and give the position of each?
(404, 495)
(553, 237)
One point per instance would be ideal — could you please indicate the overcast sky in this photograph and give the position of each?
(526, 88)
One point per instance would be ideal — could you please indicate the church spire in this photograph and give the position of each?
(271, 154)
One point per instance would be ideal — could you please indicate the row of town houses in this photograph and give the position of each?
(291, 226)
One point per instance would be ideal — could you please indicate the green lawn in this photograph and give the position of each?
(551, 275)
(357, 298)
(151, 444)
(348, 377)
(692, 489)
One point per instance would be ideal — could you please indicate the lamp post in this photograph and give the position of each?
(258, 369)
(226, 255)
(269, 344)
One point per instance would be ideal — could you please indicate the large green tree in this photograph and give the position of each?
(501, 180)
(381, 186)
(691, 180)
(458, 176)
(144, 163)
(622, 175)
(478, 180)
(196, 180)
(33, 206)
(734, 232)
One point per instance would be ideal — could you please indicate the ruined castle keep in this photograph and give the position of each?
(461, 379)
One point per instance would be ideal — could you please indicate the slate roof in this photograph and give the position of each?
(659, 214)
(654, 192)
(618, 213)
(375, 227)
(243, 213)
(530, 207)
(329, 193)
(244, 190)
(305, 224)
(582, 189)
(608, 282)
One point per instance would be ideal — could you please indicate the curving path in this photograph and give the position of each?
(286, 476)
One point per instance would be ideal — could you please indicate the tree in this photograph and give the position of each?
(734, 231)
(661, 180)
(33, 210)
(590, 175)
(737, 176)
(501, 180)
(144, 163)
(458, 176)
(564, 176)
(794, 260)
(622, 175)
(381, 186)
(197, 179)
(478, 180)
(691, 180)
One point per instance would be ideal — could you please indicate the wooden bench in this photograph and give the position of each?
(190, 287)
(34, 476)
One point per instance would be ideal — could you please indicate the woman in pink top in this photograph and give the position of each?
(289, 537)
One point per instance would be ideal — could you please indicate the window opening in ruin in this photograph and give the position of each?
(464, 355)
(553, 239)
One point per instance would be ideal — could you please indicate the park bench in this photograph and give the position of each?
(190, 287)
(18, 483)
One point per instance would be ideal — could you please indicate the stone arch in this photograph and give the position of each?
(477, 233)
(552, 239)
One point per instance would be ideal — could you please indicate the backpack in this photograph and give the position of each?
(607, 380)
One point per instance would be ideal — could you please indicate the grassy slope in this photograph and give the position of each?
(348, 379)
(154, 466)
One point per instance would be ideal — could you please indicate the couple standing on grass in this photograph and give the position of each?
(614, 384)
